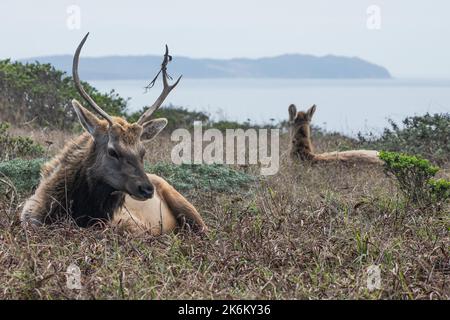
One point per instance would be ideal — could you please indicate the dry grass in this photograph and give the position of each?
(305, 233)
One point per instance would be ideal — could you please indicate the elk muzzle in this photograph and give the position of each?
(140, 189)
(146, 190)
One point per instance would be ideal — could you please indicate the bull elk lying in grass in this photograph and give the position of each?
(302, 148)
(100, 175)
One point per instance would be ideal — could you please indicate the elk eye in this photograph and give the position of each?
(113, 153)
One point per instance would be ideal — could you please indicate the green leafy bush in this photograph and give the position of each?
(24, 174)
(203, 177)
(40, 94)
(415, 178)
(440, 189)
(427, 136)
(17, 146)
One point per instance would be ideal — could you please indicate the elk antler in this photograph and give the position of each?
(166, 89)
(80, 88)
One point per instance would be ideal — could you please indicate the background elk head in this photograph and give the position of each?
(299, 120)
(118, 150)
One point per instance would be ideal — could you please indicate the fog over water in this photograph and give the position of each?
(347, 106)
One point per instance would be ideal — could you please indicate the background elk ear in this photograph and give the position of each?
(152, 128)
(292, 112)
(310, 112)
(87, 119)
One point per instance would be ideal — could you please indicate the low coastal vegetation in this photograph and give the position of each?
(310, 231)
(39, 95)
(427, 136)
(416, 180)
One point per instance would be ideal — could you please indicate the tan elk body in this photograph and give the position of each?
(301, 145)
(99, 176)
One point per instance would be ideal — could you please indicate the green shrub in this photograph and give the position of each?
(427, 136)
(40, 94)
(12, 147)
(415, 178)
(202, 177)
(440, 189)
(24, 174)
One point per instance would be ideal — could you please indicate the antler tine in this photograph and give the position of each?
(166, 88)
(80, 88)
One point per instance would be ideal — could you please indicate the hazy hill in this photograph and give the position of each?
(284, 66)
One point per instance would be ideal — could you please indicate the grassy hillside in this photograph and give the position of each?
(307, 232)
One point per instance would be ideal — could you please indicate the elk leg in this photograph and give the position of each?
(177, 203)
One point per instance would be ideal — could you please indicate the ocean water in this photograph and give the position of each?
(347, 106)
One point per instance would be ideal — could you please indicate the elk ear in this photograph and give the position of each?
(87, 119)
(152, 128)
(310, 112)
(292, 112)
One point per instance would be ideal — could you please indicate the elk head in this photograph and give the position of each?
(300, 119)
(117, 157)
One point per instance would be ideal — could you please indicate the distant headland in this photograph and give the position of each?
(284, 66)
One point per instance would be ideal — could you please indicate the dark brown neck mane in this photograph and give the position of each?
(80, 192)
(92, 200)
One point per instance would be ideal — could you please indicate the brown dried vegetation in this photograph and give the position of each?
(308, 232)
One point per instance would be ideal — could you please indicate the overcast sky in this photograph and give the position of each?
(410, 38)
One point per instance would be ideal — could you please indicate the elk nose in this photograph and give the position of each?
(146, 190)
